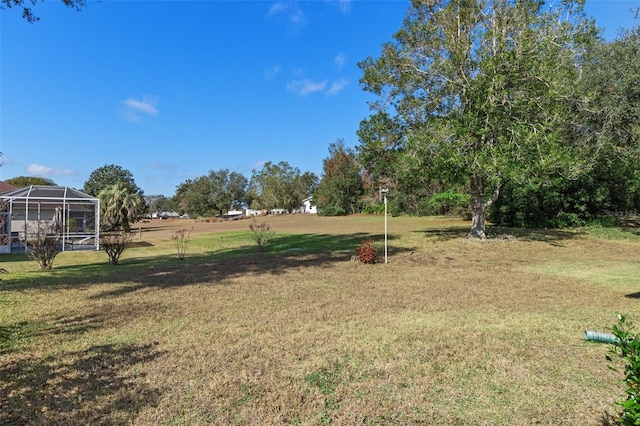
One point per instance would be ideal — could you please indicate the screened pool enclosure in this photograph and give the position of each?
(70, 215)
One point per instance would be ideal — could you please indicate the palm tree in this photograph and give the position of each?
(119, 206)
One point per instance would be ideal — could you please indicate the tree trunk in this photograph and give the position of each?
(477, 208)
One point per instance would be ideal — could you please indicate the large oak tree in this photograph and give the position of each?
(483, 90)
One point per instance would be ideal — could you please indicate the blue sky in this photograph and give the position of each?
(170, 90)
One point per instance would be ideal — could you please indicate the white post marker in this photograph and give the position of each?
(385, 192)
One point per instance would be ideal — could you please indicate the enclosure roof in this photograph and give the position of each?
(5, 187)
(47, 193)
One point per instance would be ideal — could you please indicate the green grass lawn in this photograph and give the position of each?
(450, 331)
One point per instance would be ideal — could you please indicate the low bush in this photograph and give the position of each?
(628, 348)
(449, 202)
(374, 209)
(332, 211)
(603, 221)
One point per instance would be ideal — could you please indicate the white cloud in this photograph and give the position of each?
(290, 11)
(306, 86)
(337, 86)
(141, 106)
(344, 6)
(159, 165)
(277, 8)
(298, 72)
(45, 171)
(340, 59)
(297, 17)
(134, 109)
(272, 72)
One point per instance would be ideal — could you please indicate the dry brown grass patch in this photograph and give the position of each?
(451, 331)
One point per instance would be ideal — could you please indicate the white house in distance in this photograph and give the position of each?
(308, 206)
(166, 215)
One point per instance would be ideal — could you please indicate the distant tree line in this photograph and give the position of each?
(22, 181)
(274, 186)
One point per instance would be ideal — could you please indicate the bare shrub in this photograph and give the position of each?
(181, 240)
(114, 243)
(43, 245)
(261, 233)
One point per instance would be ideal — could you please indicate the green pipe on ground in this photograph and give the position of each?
(595, 336)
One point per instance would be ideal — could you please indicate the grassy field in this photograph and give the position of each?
(450, 331)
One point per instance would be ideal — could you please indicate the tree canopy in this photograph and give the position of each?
(22, 181)
(273, 186)
(109, 175)
(193, 197)
(340, 188)
(482, 91)
(158, 203)
(280, 186)
(213, 194)
(27, 11)
(228, 190)
(610, 126)
(119, 207)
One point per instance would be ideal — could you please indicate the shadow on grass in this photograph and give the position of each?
(138, 244)
(609, 419)
(317, 243)
(635, 232)
(284, 252)
(553, 237)
(445, 234)
(549, 236)
(74, 325)
(11, 334)
(100, 385)
(14, 257)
